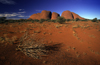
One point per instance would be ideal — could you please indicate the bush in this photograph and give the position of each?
(42, 20)
(32, 21)
(94, 20)
(61, 20)
(53, 21)
(49, 20)
(84, 20)
(68, 19)
(2, 19)
(36, 20)
(77, 19)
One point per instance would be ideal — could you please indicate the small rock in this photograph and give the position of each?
(78, 55)
(44, 61)
(76, 52)
(73, 48)
(67, 49)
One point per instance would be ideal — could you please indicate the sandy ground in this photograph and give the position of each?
(76, 43)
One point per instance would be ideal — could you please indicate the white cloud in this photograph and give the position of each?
(23, 16)
(7, 2)
(21, 9)
(9, 15)
(22, 12)
(14, 15)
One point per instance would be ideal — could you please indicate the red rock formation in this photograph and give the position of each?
(45, 15)
(70, 15)
(76, 16)
(54, 16)
(29, 19)
(35, 16)
(67, 15)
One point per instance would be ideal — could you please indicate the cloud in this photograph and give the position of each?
(21, 9)
(22, 12)
(23, 16)
(9, 15)
(7, 2)
(14, 15)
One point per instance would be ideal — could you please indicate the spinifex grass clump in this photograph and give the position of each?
(31, 47)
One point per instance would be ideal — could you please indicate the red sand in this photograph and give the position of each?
(79, 43)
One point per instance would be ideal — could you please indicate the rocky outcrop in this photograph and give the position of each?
(43, 15)
(35, 16)
(70, 15)
(67, 15)
(48, 15)
(54, 16)
(76, 16)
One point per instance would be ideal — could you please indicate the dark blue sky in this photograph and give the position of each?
(17, 9)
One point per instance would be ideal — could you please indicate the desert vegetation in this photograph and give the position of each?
(45, 41)
(59, 20)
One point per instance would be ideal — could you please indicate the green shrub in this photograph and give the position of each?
(77, 19)
(42, 20)
(84, 20)
(49, 20)
(32, 21)
(94, 20)
(36, 20)
(61, 20)
(68, 20)
(53, 21)
(2, 19)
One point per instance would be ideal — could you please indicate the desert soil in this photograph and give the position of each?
(71, 43)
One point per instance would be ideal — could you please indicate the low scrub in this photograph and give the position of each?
(94, 20)
(42, 20)
(68, 20)
(61, 20)
(77, 19)
(53, 21)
